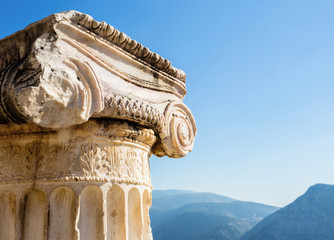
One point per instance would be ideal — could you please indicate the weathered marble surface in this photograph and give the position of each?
(82, 108)
(89, 181)
(67, 68)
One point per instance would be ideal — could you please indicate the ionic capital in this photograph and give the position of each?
(68, 68)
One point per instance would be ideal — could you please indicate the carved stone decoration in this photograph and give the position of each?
(126, 108)
(39, 93)
(99, 151)
(71, 68)
(61, 164)
(122, 40)
(82, 109)
(180, 131)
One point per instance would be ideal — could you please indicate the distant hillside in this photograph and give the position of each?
(169, 199)
(171, 192)
(310, 217)
(184, 215)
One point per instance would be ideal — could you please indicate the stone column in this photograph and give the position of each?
(82, 108)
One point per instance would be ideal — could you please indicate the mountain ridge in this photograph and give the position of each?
(310, 216)
(184, 215)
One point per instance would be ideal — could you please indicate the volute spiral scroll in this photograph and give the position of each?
(42, 93)
(180, 130)
(14, 77)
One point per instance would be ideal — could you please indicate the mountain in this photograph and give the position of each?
(186, 215)
(171, 192)
(169, 199)
(310, 217)
(164, 201)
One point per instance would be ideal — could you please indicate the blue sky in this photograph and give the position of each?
(260, 85)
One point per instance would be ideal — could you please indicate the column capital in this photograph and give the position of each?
(96, 151)
(68, 68)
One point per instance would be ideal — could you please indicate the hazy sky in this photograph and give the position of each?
(260, 79)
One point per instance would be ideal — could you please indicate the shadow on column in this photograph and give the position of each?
(135, 217)
(147, 202)
(91, 214)
(116, 213)
(7, 215)
(34, 221)
(62, 214)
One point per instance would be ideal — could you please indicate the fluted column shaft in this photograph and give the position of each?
(90, 181)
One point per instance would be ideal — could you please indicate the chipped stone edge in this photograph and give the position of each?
(111, 35)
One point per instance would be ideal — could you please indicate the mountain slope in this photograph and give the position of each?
(203, 216)
(310, 217)
(250, 212)
(199, 225)
(165, 200)
(170, 192)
